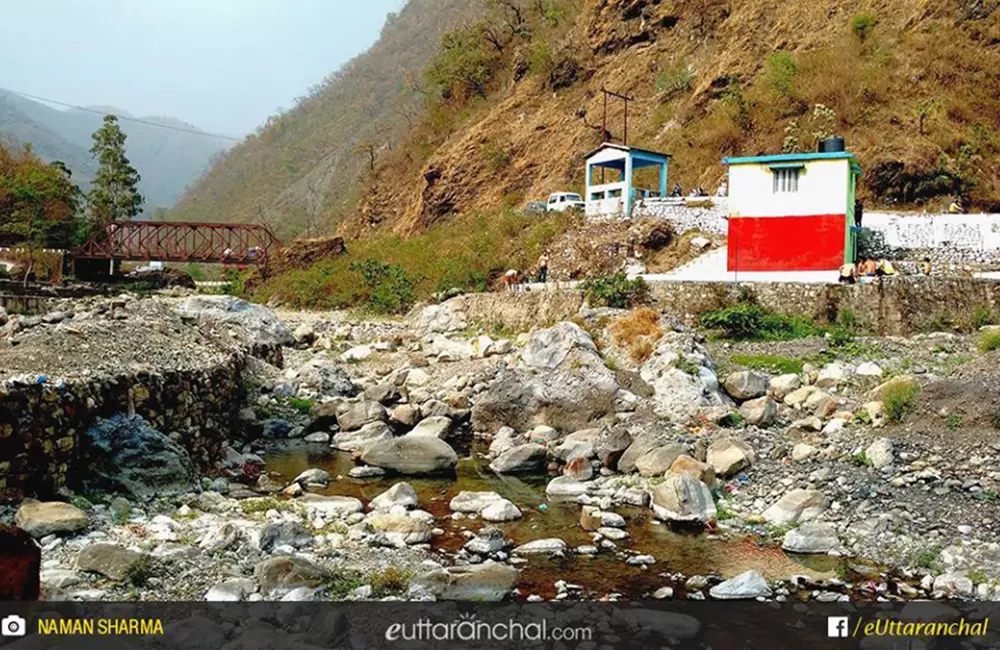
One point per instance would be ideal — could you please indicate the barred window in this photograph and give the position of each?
(786, 180)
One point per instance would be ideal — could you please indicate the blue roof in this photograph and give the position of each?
(790, 157)
(796, 157)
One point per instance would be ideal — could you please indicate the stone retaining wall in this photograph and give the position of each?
(41, 425)
(895, 306)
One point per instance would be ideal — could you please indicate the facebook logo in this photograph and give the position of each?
(837, 626)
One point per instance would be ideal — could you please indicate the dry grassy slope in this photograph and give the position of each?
(299, 172)
(944, 52)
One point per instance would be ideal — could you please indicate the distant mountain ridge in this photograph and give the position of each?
(167, 159)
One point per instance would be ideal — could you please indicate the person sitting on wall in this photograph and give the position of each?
(869, 270)
(885, 268)
(955, 207)
(847, 274)
(723, 189)
(678, 190)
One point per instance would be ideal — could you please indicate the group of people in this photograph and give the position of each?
(511, 280)
(868, 270)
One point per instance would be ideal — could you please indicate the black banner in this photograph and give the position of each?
(440, 625)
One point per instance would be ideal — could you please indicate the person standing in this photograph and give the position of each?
(926, 266)
(543, 268)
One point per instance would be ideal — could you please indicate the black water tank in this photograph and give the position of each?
(834, 144)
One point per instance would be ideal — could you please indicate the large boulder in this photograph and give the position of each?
(487, 582)
(560, 380)
(796, 506)
(500, 511)
(784, 384)
(880, 453)
(729, 455)
(681, 498)
(520, 459)
(694, 468)
(436, 425)
(284, 533)
(355, 415)
(657, 461)
(473, 501)
(759, 412)
(400, 494)
(682, 379)
(109, 560)
(579, 444)
(611, 445)
(746, 586)
(329, 506)
(125, 454)
(413, 455)
(262, 325)
(747, 384)
(401, 528)
(39, 519)
(323, 376)
(288, 572)
(367, 435)
(811, 537)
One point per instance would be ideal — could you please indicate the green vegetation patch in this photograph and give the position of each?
(770, 363)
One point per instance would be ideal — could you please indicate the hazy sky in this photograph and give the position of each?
(222, 65)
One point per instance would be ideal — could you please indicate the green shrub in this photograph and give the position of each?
(674, 78)
(540, 57)
(496, 157)
(782, 68)
(462, 65)
(301, 405)
(989, 340)
(982, 316)
(954, 421)
(752, 322)
(391, 581)
(863, 24)
(341, 582)
(899, 400)
(390, 287)
(616, 291)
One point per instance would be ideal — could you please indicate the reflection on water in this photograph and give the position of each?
(675, 552)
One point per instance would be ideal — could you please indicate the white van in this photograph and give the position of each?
(562, 201)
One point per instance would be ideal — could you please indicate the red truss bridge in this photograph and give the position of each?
(165, 241)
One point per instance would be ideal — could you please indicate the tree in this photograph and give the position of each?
(38, 204)
(115, 195)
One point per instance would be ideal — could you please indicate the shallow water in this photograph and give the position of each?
(675, 551)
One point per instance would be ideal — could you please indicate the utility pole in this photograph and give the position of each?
(604, 124)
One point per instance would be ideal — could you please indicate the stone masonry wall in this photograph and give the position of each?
(41, 425)
(896, 306)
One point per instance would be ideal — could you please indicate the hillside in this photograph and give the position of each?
(301, 171)
(167, 159)
(910, 83)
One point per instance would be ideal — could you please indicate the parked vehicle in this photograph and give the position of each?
(562, 201)
(532, 207)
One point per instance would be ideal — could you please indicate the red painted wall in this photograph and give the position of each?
(812, 243)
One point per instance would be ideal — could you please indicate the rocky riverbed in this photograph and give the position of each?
(613, 456)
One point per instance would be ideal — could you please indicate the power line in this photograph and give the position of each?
(123, 117)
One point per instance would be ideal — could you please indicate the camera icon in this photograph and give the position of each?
(13, 625)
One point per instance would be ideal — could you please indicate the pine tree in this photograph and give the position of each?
(114, 195)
